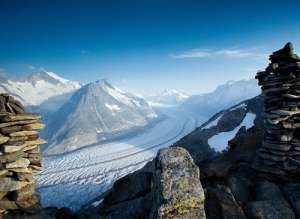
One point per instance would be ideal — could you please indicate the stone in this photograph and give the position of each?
(129, 187)
(35, 168)
(10, 157)
(222, 204)
(20, 170)
(269, 209)
(272, 157)
(292, 193)
(64, 213)
(20, 163)
(240, 188)
(28, 145)
(2, 194)
(7, 205)
(7, 124)
(266, 190)
(134, 209)
(20, 117)
(27, 177)
(280, 147)
(23, 193)
(28, 202)
(34, 126)
(11, 148)
(3, 173)
(23, 133)
(3, 139)
(13, 140)
(8, 184)
(179, 193)
(10, 129)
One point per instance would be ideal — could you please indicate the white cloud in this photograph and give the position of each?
(229, 53)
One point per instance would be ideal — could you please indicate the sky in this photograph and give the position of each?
(145, 46)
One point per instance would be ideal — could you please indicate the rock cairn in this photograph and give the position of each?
(19, 155)
(280, 84)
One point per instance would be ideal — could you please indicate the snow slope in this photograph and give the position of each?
(76, 178)
(219, 142)
(38, 87)
(95, 113)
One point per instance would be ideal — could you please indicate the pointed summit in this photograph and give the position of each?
(286, 54)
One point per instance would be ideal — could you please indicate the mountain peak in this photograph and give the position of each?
(38, 87)
(47, 76)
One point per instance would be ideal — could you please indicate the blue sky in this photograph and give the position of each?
(145, 46)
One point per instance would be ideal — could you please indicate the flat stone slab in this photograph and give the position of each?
(8, 184)
(20, 163)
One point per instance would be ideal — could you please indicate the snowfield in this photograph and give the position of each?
(76, 178)
(219, 142)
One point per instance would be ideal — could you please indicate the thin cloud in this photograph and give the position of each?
(31, 67)
(226, 53)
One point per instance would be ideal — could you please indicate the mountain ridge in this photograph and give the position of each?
(38, 87)
(96, 112)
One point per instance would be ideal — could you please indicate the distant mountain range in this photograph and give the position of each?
(38, 87)
(78, 115)
(96, 112)
(167, 97)
(222, 97)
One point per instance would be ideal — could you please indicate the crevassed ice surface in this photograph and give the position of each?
(78, 177)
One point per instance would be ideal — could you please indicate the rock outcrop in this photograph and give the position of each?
(280, 83)
(167, 187)
(19, 156)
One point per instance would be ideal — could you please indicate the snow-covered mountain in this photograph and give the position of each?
(96, 112)
(38, 88)
(222, 97)
(167, 97)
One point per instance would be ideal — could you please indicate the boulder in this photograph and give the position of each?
(178, 193)
(167, 187)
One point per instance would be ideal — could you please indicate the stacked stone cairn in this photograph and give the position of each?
(19, 156)
(280, 83)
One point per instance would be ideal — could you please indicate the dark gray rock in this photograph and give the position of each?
(129, 187)
(292, 193)
(222, 204)
(270, 209)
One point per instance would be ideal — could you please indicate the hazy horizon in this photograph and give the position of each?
(145, 46)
